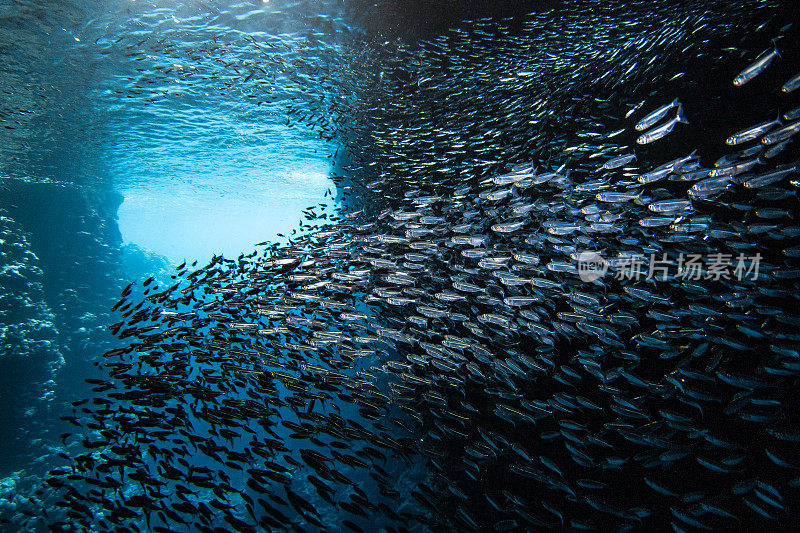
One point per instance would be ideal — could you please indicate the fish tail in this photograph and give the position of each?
(775, 44)
(681, 117)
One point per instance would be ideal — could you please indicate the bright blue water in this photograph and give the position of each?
(181, 108)
(196, 203)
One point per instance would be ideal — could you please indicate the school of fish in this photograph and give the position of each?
(433, 357)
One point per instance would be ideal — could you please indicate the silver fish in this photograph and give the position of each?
(755, 68)
(654, 222)
(616, 197)
(751, 133)
(709, 186)
(619, 161)
(508, 227)
(792, 84)
(781, 134)
(776, 149)
(656, 115)
(668, 206)
(654, 175)
(769, 178)
(792, 114)
(663, 130)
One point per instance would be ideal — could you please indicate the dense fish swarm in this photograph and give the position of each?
(444, 358)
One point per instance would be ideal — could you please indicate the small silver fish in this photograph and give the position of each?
(520, 301)
(755, 68)
(709, 186)
(663, 130)
(634, 109)
(668, 206)
(508, 227)
(656, 115)
(619, 161)
(776, 149)
(508, 179)
(793, 114)
(615, 197)
(769, 178)
(781, 134)
(654, 222)
(654, 175)
(792, 84)
(754, 132)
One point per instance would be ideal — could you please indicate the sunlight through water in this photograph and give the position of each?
(196, 209)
